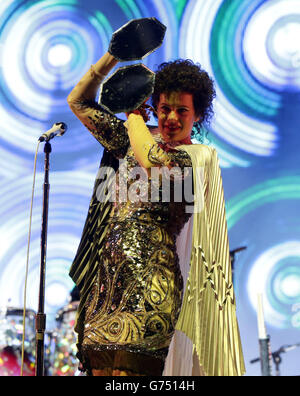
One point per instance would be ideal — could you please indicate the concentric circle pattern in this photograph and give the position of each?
(275, 29)
(67, 211)
(251, 49)
(46, 46)
(212, 33)
(275, 272)
(279, 280)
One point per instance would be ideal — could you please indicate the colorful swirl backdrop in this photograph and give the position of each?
(252, 50)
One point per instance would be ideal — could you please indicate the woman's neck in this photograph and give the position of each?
(187, 140)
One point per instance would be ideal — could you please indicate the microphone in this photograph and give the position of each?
(58, 129)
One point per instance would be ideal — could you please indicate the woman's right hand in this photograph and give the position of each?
(144, 110)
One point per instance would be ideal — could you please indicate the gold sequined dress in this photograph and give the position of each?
(132, 307)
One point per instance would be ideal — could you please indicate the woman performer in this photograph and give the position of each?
(127, 267)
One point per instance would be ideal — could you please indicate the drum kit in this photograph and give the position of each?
(60, 344)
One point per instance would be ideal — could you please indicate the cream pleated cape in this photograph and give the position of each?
(207, 340)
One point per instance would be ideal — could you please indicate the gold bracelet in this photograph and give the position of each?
(97, 75)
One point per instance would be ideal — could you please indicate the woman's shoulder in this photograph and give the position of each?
(202, 151)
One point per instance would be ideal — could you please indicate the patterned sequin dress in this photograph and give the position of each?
(134, 303)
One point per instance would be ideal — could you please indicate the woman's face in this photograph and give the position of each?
(176, 116)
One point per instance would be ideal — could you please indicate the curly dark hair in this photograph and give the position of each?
(183, 75)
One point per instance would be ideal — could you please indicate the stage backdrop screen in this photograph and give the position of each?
(251, 48)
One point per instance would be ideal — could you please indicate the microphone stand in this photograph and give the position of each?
(265, 357)
(40, 324)
(276, 356)
(232, 259)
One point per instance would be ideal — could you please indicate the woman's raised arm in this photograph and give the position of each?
(105, 127)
